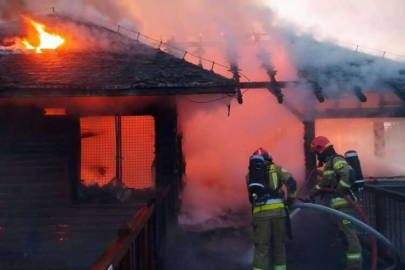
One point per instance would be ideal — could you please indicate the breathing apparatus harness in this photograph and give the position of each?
(258, 186)
(260, 191)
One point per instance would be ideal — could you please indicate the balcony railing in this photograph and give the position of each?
(137, 245)
(385, 209)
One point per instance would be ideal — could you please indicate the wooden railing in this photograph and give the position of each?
(386, 211)
(138, 242)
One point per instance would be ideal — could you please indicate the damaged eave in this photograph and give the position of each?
(268, 84)
(54, 91)
(271, 87)
(138, 72)
(361, 113)
(398, 87)
(350, 76)
(228, 87)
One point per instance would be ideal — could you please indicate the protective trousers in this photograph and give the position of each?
(353, 247)
(269, 232)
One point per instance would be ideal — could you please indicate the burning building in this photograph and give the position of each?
(90, 118)
(89, 135)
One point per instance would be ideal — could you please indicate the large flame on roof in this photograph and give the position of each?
(46, 40)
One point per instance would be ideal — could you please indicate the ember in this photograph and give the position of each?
(46, 40)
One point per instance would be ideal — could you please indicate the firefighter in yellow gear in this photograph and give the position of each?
(339, 176)
(271, 226)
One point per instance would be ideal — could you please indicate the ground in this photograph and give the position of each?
(316, 246)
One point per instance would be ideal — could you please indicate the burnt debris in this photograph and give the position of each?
(359, 93)
(317, 90)
(235, 71)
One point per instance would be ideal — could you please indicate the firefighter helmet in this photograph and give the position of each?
(264, 153)
(320, 144)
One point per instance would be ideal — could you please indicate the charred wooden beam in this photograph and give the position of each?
(400, 93)
(236, 77)
(361, 113)
(118, 149)
(252, 85)
(317, 89)
(270, 87)
(379, 138)
(37, 92)
(275, 88)
(359, 93)
(397, 90)
(294, 111)
(310, 158)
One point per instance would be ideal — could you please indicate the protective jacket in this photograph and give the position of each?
(337, 174)
(275, 205)
(270, 222)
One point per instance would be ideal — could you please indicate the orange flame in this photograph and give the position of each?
(46, 40)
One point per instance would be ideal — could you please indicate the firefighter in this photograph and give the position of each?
(271, 220)
(339, 176)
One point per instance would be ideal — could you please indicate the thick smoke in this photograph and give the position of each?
(104, 11)
(117, 11)
(264, 57)
(371, 23)
(378, 151)
(217, 149)
(335, 67)
(9, 10)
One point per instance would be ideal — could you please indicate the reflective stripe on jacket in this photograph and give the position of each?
(338, 201)
(270, 204)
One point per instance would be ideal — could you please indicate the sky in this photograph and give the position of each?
(377, 24)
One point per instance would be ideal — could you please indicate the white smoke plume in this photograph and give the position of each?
(265, 58)
(332, 66)
(370, 23)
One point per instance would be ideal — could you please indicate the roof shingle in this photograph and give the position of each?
(137, 67)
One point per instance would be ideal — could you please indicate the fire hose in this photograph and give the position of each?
(356, 222)
(357, 208)
(364, 225)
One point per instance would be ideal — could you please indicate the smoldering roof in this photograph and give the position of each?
(119, 63)
(333, 66)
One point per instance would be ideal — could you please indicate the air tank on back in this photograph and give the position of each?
(352, 158)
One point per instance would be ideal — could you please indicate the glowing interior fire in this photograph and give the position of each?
(46, 40)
